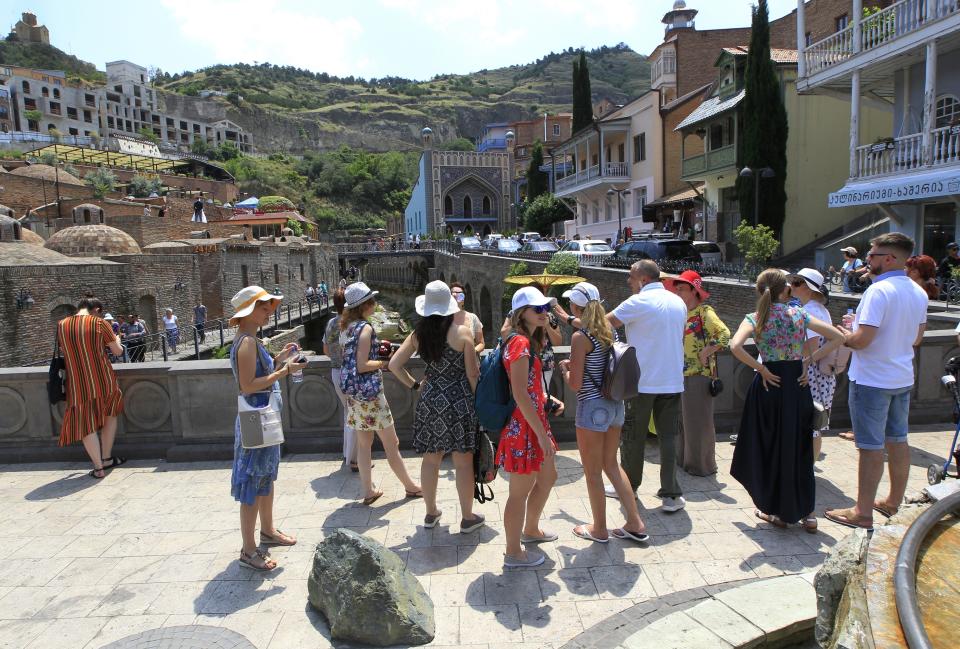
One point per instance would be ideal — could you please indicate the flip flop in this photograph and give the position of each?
(414, 494)
(623, 534)
(369, 500)
(880, 509)
(581, 531)
(847, 517)
(768, 518)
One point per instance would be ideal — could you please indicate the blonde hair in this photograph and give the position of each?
(594, 320)
(537, 337)
(771, 284)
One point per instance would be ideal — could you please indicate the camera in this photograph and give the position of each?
(552, 406)
(386, 349)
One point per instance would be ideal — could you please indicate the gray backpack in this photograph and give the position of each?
(622, 375)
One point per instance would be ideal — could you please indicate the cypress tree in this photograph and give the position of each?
(582, 95)
(536, 179)
(763, 140)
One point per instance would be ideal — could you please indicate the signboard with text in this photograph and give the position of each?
(896, 190)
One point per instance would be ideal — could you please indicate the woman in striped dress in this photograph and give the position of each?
(94, 399)
(599, 420)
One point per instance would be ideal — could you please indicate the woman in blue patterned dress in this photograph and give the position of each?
(773, 459)
(255, 469)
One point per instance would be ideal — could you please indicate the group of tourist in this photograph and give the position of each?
(675, 336)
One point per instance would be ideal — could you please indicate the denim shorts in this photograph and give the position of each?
(599, 414)
(879, 415)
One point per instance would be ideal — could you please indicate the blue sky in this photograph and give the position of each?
(369, 38)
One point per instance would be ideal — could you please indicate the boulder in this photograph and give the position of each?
(842, 570)
(367, 594)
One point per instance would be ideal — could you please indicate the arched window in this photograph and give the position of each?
(486, 205)
(44, 91)
(467, 207)
(947, 110)
(448, 206)
(56, 93)
(25, 86)
(86, 216)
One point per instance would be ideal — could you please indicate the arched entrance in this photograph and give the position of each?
(468, 298)
(147, 311)
(486, 230)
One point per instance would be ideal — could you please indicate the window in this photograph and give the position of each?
(716, 135)
(486, 205)
(44, 91)
(87, 116)
(842, 22)
(448, 206)
(183, 125)
(947, 110)
(25, 86)
(639, 200)
(467, 207)
(73, 131)
(669, 62)
(727, 77)
(89, 100)
(244, 279)
(109, 121)
(556, 130)
(639, 147)
(621, 148)
(56, 93)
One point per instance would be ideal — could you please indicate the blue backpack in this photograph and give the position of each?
(494, 400)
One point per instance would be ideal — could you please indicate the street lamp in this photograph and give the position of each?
(766, 172)
(620, 194)
(24, 300)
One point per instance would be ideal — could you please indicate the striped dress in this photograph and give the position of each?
(93, 393)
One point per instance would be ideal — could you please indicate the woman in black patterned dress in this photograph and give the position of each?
(445, 420)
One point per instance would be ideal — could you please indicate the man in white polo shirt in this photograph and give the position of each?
(888, 325)
(654, 320)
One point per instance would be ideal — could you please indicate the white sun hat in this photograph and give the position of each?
(245, 301)
(358, 293)
(582, 294)
(436, 300)
(530, 296)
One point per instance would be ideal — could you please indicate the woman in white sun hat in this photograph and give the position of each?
(445, 420)
(361, 380)
(255, 469)
(527, 447)
(599, 420)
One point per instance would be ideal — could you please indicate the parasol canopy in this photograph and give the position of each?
(546, 280)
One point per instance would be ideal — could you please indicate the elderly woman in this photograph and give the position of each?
(172, 329)
(255, 469)
(704, 336)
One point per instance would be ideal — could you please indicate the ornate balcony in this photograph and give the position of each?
(905, 154)
(709, 162)
(612, 172)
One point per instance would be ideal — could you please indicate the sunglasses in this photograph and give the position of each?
(797, 283)
(541, 308)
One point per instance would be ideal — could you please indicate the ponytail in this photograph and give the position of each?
(771, 284)
(763, 309)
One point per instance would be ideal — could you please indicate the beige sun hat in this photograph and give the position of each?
(246, 300)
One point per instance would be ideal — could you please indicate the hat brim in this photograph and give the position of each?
(419, 304)
(368, 296)
(552, 301)
(806, 280)
(247, 310)
(670, 283)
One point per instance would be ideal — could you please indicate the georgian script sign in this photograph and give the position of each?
(895, 190)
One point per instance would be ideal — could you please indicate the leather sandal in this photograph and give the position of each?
(279, 539)
(259, 561)
(809, 524)
(369, 500)
(93, 474)
(114, 461)
(776, 521)
(849, 518)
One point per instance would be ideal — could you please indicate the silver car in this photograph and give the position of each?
(709, 252)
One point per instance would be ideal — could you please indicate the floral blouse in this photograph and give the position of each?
(704, 327)
(783, 336)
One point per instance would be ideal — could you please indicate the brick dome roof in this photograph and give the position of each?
(46, 172)
(92, 241)
(18, 254)
(31, 237)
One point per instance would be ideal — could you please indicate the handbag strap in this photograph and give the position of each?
(236, 343)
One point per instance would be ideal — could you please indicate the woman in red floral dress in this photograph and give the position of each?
(527, 447)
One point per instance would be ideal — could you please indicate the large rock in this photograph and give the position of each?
(367, 594)
(841, 604)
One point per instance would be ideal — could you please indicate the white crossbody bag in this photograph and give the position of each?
(260, 427)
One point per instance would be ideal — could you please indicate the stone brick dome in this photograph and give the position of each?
(92, 241)
(47, 173)
(29, 236)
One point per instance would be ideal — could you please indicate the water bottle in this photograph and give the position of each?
(848, 320)
(297, 376)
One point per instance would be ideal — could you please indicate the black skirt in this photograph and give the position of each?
(773, 459)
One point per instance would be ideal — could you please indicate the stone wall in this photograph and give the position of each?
(22, 193)
(186, 409)
(225, 192)
(152, 287)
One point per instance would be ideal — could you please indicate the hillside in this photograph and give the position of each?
(294, 110)
(48, 57)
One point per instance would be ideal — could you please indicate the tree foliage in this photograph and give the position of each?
(542, 212)
(757, 244)
(582, 95)
(458, 144)
(296, 226)
(764, 139)
(537, 181)
(275, 204)
(142, 186)
(102, 181)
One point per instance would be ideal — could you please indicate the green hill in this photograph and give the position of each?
(295, 110)
(48, 57)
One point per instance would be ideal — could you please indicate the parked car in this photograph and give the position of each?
(587, 249)
(531, 236)
(659, 250)
(539, 246)
(709, 252)
(490, 241)
(507, 245)
(468, 242)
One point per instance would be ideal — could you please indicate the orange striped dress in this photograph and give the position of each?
(93, 393)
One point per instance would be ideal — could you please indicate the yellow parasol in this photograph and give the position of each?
(546, 280)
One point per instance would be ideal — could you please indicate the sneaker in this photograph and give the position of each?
(473, 524)
(533, 559)
(673, 504)
(609, 491)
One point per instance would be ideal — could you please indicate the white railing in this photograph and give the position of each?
(899, 19)
(578, 177)
(616, 169)
(946, 145)
(904, 153)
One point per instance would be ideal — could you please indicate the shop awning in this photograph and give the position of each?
(682, 196)
(903, 188)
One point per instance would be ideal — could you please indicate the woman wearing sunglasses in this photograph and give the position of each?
(527, 447)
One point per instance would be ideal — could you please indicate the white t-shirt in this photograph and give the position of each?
(170, 323)
(897, 306)
(654, 320)
(818, 311)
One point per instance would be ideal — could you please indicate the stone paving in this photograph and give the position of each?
(155, 545)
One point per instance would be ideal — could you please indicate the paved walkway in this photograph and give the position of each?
(155, 544)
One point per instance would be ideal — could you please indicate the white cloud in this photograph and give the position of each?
(269, 31)
(465, 23)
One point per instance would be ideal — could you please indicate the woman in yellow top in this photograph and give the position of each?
(704, 336)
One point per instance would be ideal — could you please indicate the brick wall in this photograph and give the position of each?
(223, 191)
(148, 230)
(156, 276)
(21, 193)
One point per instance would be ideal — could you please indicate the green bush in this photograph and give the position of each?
(142, 186)
(757, 244)
(296, 226)
(563, 263)
(275, 204)
(102, 181)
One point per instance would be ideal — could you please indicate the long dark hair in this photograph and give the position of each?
(431, 333)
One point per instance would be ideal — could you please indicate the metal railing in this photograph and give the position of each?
(906, 153)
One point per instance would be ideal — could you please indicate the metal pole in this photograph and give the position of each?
(288, 315)
(619, 216)
(163, 347)
(300, 305)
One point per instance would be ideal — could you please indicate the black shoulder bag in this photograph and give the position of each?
(716, 385)
(57, 374)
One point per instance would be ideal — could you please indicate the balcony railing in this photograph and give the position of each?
(897, 20)
(716, 159)
(905, 153)
(492, 143)
(615, 171)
